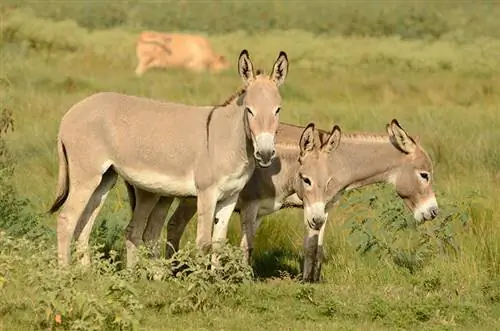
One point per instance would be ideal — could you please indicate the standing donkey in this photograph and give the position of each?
(302, 168)
(168, 148)
(361, 159)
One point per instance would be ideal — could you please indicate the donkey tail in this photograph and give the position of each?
(63, 178)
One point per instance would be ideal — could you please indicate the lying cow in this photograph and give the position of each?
(169, 50)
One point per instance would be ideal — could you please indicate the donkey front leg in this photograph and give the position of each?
(205, 204)
(310, 249)
(313, 254)
(249, 223)
(223, 213)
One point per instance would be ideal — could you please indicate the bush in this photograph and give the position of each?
(392, 235)
(13, 218)
(102, 296)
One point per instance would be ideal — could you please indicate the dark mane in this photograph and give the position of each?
(234, 96)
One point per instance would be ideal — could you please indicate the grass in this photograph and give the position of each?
(445, 91)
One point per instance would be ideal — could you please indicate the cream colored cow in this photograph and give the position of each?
(176, 50)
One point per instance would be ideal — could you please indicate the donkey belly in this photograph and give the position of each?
(158, 182)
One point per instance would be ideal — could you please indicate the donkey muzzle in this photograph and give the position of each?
(264, 149)
(428, 210)
(315, 215)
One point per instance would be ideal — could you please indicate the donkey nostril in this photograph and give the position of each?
(273, 153)
(318, 222)
(257, 155)
(434, 212)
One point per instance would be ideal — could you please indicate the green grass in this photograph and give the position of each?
(445, 91)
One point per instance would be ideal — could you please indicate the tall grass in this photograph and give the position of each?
(380, 272)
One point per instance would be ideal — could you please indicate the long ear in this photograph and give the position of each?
(280, 69)
(400, 138)
(307, 139)
(333, 140)
(245, 67)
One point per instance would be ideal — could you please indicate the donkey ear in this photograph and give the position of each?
(307, 139)
(400, 138)
(245, 67)
(280, 69)
(333, 140)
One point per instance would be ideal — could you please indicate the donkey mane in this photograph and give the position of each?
(230, 99)
(236, 94)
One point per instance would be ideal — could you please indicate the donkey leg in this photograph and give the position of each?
(145, 202)
(155, 223)
(310, 248)
(84, 229)
(176, 225)
(71, 214)
(320, 254)
(223, 213)
(206, 203)
(249, 223)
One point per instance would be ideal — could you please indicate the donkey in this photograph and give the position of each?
(302, 168)
(144, 141)
(361, 159)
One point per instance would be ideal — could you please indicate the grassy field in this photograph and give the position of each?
(380, 272)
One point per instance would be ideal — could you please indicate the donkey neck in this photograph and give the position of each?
(227, 132)
(364, 159)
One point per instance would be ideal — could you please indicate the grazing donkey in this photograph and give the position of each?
(361, 159)
(167, 148)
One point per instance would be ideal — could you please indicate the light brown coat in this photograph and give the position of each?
(176, 50)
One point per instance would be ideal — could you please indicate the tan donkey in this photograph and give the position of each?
(301, 166)
(361, 159)
(167, 148)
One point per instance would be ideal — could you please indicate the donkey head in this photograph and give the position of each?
(314, 174)
(262, 104)
(413, 178)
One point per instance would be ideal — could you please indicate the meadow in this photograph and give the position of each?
(434, 66)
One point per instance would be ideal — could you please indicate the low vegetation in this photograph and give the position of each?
(439, 78)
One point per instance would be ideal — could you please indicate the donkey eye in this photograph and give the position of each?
(306, 180)
(424, 176)
(249, 111)
(277, 111)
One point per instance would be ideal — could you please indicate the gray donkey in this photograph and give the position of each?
(361, 159)
(167, 148)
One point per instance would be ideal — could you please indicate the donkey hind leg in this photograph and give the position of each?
(155, 223)
(176, 225)
(145, 202)
(74, 212)
(87, 220)
(249, 223)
